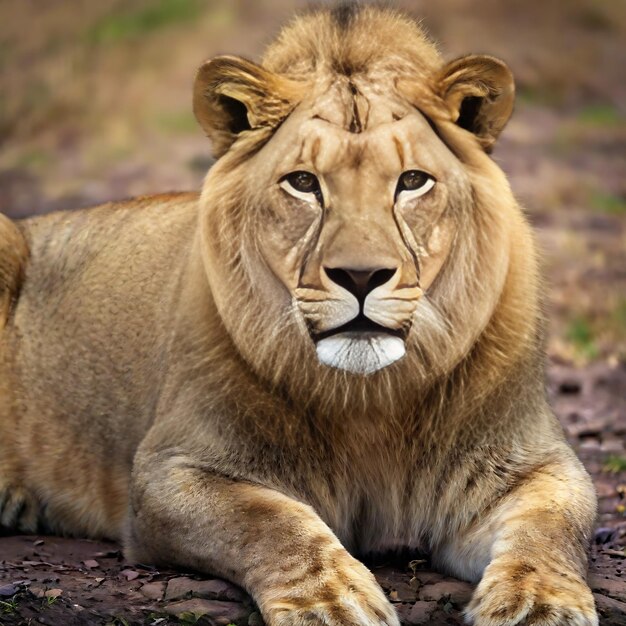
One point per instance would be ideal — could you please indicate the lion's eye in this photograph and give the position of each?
(302, 185)
(414, 183)
(303, 181)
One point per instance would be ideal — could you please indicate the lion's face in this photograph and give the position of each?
(357, 225)
(346, 203)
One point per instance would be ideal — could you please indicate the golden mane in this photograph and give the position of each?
(480, 317)
(351, 39)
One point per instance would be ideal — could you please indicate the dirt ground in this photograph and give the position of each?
(95, 106)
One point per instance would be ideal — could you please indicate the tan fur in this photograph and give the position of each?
(13, 257)
(160, 381)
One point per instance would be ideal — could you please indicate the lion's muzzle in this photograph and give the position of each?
(360, 321)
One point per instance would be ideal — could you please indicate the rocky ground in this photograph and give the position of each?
(95, 106)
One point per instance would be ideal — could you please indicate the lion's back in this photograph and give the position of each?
(69, 247)
(98, 285)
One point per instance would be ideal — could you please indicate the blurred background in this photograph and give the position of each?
(95, 105)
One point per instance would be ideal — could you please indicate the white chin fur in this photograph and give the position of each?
(360, 353)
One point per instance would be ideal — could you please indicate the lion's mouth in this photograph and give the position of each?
(360, 326)
(361, 346)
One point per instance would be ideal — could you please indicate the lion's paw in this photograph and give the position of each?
(19, 509)
(514, 592)
(350, 598)
(348, 611)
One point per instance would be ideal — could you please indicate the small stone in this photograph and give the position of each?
(457, 592)
(604, 535)
(609, 607)
(220, 613)
(52, 593)
(179, 588)
(401, 592)
(427, 578)
(7, 591)
(154, 591)
(589, 444)
(421, 612)
(91, 563)
(213, 589)
(109, 554)
(129, 574)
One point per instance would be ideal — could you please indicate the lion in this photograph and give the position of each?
(334, 350)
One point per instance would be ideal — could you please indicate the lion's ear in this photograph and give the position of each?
(232, 95)
(480, 92)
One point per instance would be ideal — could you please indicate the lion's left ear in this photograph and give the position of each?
(232, 95)
(480, 91)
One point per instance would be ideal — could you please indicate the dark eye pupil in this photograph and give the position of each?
(413, 179)
(303, 181)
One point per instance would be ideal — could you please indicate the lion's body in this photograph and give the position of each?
(93, 335)
(159, 371)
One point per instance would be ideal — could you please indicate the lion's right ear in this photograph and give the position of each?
(232, 95)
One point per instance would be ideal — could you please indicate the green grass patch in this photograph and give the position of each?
(48, 601)
(33, 159)
(600, 115)
(154, 16)
(615, 464)
(5, 52)
(178, 123)
(580, 335)
(619, 316)
(118, 621)
(594, 18)
(8, 607)
(608, 203)
(530, 94)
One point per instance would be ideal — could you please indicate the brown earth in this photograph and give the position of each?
(95, 106)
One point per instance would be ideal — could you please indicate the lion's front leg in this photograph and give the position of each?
(533, 542)
(273, 546)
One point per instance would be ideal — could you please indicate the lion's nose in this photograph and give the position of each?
(360, 282)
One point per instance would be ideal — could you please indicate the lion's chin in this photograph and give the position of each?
(360, 352)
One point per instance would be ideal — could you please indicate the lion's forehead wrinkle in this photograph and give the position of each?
(355, 105)
(384, 149)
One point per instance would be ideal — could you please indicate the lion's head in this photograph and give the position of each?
(354, 221)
